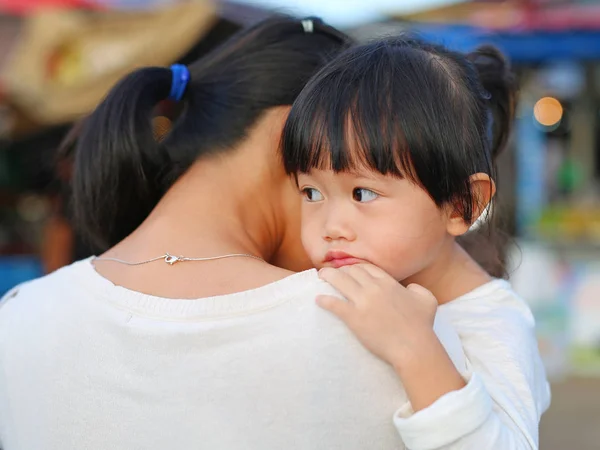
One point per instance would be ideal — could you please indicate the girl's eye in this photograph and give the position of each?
(312, 195)
(363, 195)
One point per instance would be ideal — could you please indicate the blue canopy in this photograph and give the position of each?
(521, 46)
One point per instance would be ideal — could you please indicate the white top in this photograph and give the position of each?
(88, 365)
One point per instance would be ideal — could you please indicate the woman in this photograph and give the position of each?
(142, 348)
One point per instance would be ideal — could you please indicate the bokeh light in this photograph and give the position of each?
(548, 111)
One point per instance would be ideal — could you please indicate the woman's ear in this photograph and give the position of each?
(161, 126)
(483, 190)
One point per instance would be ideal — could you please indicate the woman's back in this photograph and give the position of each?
(85, 364)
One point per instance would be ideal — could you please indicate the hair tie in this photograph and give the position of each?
(181, 77)
(308, 25)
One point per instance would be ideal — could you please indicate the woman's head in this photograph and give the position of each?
(122, 170)
(415, 123)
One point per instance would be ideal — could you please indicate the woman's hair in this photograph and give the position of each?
(122, 171)
(407, 108)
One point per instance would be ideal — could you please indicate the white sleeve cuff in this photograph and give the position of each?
(451, 417)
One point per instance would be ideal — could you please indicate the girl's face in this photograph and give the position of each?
(364, 216)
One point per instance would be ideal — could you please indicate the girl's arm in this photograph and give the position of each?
(495, 403)
(497, 331)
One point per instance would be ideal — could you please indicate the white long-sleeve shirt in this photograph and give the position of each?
(507, 391)
(88, 365)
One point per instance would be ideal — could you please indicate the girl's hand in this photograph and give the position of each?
(390, 320)
(395, 324)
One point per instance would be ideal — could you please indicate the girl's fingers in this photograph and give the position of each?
(336, 306)
(371, 286)
(425, 295)
(342, 281)
(373, 270)
(360, 275)
(420, 290)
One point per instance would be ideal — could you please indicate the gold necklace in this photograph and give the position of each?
(172, 259)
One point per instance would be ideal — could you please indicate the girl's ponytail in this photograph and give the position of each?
(501, 87)
(488, 244)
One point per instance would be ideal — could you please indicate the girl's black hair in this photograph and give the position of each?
(122, 171)
(407, 108)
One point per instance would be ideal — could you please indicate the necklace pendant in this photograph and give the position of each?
(170, 259)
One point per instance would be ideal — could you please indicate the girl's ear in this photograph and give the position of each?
(483, 189)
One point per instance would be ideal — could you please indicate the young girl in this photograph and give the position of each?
(392, 144)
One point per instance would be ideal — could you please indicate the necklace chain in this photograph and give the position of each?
(172, 259)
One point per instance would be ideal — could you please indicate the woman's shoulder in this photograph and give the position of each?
(81, 283)
(59, 280)
(73, 270)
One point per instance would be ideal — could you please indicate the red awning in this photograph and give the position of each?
(21, 7)
(567, 17)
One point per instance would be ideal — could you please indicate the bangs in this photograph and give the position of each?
(346, 125)
(392, 107)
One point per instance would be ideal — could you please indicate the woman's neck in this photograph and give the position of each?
(207, 212)
(230, 202)
(222, 205)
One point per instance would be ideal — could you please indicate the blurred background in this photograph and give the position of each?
(59, 57)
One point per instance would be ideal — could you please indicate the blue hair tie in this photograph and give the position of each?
(181, 76)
